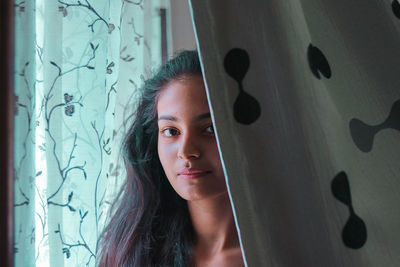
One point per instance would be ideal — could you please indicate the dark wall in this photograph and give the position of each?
(6, 133)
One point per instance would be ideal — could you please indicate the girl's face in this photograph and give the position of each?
(186, 143)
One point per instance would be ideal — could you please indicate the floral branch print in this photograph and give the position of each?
(66, 204)
(68, 246)
(89, 7)
(39, 52)
(28, 107)
(20, 6)
(43, 221)
(68, 104)
(127, 57)
(112, 89)
(48, 114)
(65, 143)
(68, 123)
(109, 67)
(26, 202)
(138, 3)
(60, 73)
(138, 36)
(99, 138)
(64, 174)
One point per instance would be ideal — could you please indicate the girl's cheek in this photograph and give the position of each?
(170, 148)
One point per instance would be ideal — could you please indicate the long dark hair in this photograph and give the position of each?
(150, 225)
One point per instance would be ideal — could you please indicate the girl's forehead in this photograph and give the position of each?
(183, 98)
(181, 91)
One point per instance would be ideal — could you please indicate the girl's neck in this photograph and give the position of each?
(213, 224)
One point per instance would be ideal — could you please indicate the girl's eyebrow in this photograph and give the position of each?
(167, 118)
(203, 116)
(175, 119)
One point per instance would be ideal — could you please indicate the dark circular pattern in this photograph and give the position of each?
(354, 233)
(363, 134)
(237, 63)
(318, 62)
(246, 109)
(396, 8)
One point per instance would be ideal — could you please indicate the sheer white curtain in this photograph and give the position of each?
(305, 96)
(77, 66)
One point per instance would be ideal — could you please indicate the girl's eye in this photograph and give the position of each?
(210, 129)
(169, 132)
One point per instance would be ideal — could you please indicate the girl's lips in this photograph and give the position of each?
(188, 173)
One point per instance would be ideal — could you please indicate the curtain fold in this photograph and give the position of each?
(306, 105)
(77, 67)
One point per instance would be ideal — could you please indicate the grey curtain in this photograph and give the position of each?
(306, 100)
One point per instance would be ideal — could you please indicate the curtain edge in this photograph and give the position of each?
(7, 113)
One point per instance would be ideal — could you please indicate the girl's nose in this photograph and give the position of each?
(188, 148)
